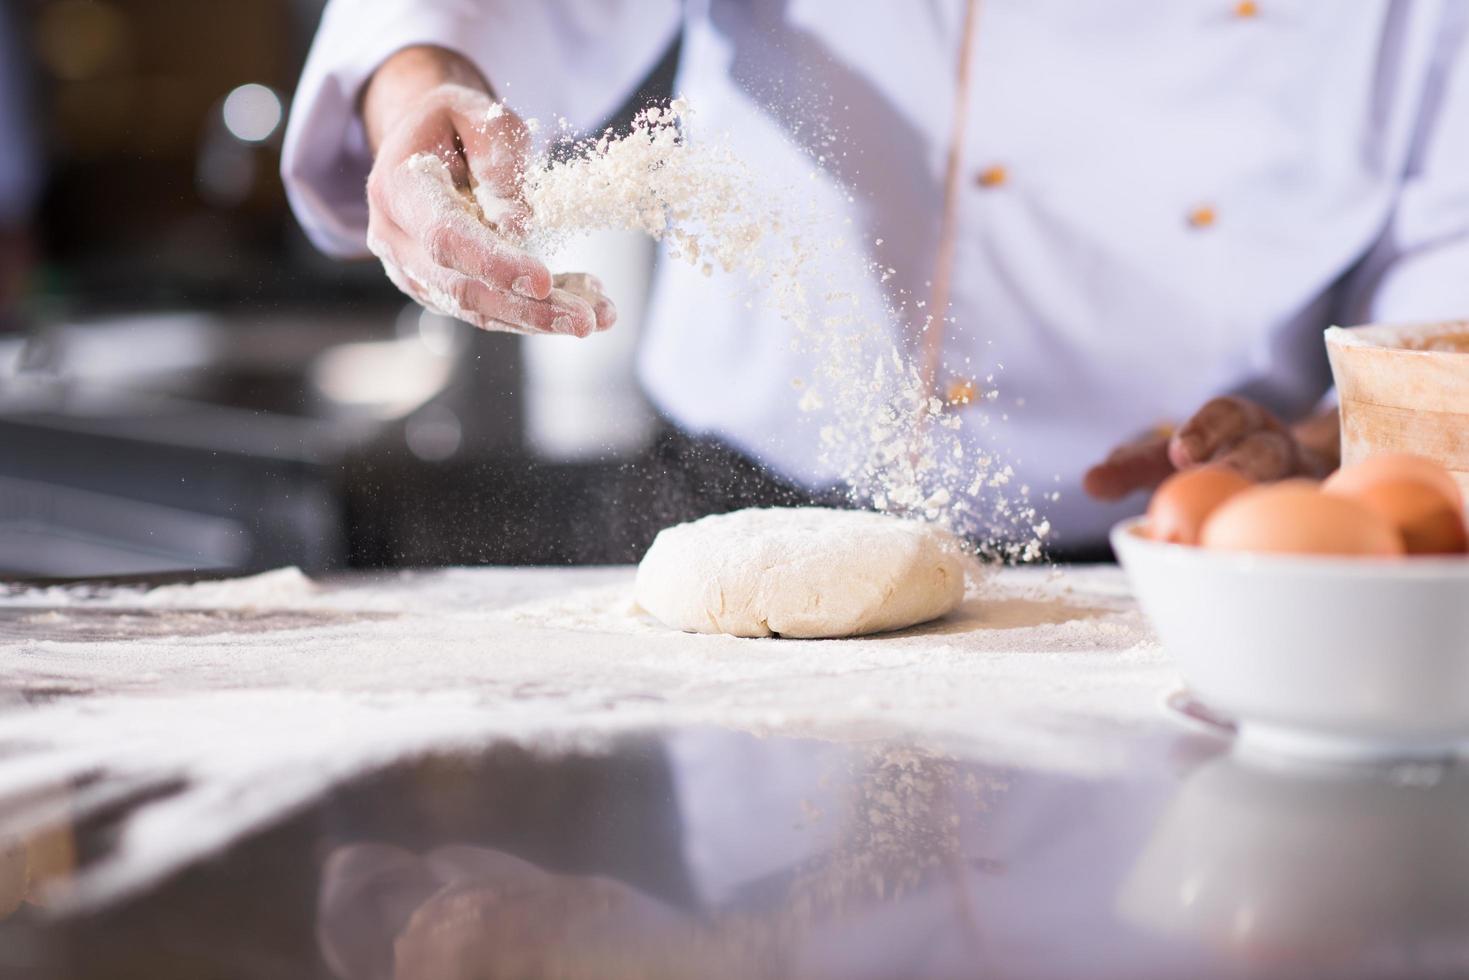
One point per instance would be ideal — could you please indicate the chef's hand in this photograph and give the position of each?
(1230, 431)
(463, 911)
(422, 219)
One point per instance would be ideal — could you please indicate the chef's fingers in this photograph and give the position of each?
(1263, 456)
(368, 893)
(584, 284)
(1216, 428)
(478, 303)
(562, 312)
(496, 146)
(390, 244)
(468, 248)
(420, 197)
(472, 300)
(1138, 465)
(483, 149)
(590, 289)
(458, 241)
(501, 311)
(458, 863)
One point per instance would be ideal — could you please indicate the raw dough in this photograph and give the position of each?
(800, 572)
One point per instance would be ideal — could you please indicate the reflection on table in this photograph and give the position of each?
(718, 854)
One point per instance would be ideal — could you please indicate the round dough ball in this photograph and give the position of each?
(800, 572)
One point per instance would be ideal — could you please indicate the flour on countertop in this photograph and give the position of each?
(290, 686)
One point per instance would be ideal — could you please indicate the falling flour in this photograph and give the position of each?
(896, 444)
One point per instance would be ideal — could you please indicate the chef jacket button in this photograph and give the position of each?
(960, 391)
(994, 175)
(1246, 8)
(1202, 216)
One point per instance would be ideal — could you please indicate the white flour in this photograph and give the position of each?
(896, 444)
(696, 196)
(261, 693)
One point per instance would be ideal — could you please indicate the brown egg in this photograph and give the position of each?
(1295, 517)
(1185, 500)
(1429, 523)
(1349, 480)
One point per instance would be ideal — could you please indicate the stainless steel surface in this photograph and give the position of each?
(719, 851)
(514, 862)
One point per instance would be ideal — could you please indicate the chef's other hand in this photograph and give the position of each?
(1230, 431)
(444, 202)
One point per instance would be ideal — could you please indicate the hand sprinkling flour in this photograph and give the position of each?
(488, 206)
(454, 251)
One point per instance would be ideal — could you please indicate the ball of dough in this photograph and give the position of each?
(800, 572)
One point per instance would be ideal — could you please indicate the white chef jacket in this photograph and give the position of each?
(1162, 200)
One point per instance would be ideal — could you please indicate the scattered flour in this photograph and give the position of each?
(696, 196)
(896, 443)
(257, 711)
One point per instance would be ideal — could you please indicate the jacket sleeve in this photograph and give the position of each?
(1419, 269)
(548, 59)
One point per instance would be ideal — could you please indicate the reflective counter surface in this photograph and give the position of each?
(709, 853)
(391, 777)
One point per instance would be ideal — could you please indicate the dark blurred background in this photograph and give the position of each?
(185, 385)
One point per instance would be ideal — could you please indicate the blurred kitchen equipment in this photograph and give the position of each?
(181, 440)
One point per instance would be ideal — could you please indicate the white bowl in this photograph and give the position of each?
(1350, 658)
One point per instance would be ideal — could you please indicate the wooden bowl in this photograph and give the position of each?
(1404, 388)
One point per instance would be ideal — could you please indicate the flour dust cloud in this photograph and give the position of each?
(899, 446)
